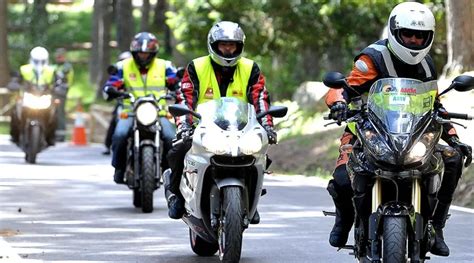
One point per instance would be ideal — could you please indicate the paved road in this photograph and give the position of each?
(67, 209)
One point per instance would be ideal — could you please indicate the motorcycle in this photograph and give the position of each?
(397, 152)
(36, 111)
(144, 150)
(223, 174)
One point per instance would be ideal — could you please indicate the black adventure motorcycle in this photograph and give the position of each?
(36, 112)
(397, 152)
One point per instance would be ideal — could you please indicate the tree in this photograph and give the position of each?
(100, 53)
(145, 19)
(460, 36)
(163, 28)
(125, 23)
(4, 65)
(39, 22)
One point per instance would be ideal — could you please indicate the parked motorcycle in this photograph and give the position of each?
(144, 150)
(36, 111)
(397, 152)
(223, 174)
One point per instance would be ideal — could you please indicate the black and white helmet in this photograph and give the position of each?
(418, 19)
(225, 31)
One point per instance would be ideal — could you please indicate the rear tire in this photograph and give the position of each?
(394, 240)
(200, 246)
(147, 180)
(231, 228)
(34, 144)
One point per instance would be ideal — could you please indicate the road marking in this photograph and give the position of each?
(7, 253)
(462, 209)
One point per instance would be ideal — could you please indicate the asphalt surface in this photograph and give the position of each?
(66, 208)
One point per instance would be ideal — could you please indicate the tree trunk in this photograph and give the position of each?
(163, 29)
(125, 25)
(100, 53)
(145, 20)
(39, 22)
(460, 36)
(4, 65)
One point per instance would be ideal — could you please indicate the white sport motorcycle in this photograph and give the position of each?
(223, 174)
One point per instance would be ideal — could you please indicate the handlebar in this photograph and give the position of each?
(453, 115)
(350, 114)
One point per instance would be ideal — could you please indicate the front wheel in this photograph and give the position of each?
(231, 225)
(34, 144)
(200, 246)
(147, 180)
(394, 240)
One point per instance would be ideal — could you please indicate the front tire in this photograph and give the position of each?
(147, 180)
(34, 144)
(231, 227)
(394, 240)
(200, 246)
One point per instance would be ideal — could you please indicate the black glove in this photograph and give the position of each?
(185, 132)
(271, 134)
(464, 149)
(113, 93)
(339, 112)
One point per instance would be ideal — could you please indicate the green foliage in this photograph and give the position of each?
(293, 41)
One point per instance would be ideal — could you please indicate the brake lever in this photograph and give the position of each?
(444, 121)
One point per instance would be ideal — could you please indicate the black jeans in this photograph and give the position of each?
(176, 162)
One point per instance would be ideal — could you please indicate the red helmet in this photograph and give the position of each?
(144, 42)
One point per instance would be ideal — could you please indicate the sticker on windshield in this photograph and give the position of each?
(399, 100)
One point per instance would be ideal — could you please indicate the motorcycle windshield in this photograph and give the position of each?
(227, 113)
(400, 103)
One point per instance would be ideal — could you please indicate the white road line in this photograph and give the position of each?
(7, 253)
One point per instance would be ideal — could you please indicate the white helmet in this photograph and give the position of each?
(225, 31)
(411, 16)
(39, 57)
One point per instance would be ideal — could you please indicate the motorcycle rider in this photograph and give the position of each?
(140, 75)
(64, 79)
(411, 28)
(36, 72)
(223, 73)
(113, 70)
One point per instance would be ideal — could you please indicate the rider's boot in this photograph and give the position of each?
(175, 206)
(439, 220)
(119, 176)
(344, 215)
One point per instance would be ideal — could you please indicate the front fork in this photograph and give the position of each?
(416, 221)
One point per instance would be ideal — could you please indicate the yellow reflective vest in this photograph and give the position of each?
(154, 84)
(208, 86)
(46, 77)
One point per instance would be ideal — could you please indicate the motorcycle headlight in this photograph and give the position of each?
(420, 149)
(215, 142)
(146, 113)
(250, 143)
(36, 102)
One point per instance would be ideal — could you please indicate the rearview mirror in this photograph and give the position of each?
(274, 111)
(179, 110)
(463, 83)
(334, 80)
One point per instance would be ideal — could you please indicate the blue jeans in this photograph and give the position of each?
(124, 129)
